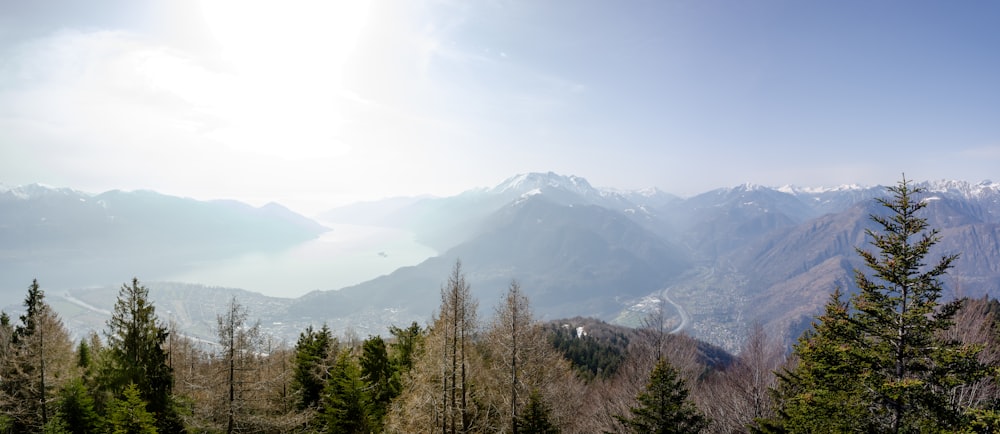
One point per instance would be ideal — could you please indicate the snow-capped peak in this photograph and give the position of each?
(526, 182)
(30, 191)
(963, 188)
(794, 189)
(648, 192)
(749, 186)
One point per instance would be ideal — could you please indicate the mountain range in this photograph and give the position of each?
(69, 238)
(716, 262)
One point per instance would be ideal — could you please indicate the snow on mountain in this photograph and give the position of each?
(526, 182)
(644, 196)
(799, 190)
(34, 191)
(561, 189)
(749, 186)
(574, 190)
(532, 192)
(963, 189)
(984, 194)
(647, 192)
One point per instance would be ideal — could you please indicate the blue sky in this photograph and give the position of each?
(318, 103)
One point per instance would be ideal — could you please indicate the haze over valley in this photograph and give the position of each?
(716, 262)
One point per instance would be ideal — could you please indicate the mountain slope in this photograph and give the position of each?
(443, 223)
(718, 221)
(579, 259)
(69, 238)
(728, 257)
(721, 260)
(783, 278)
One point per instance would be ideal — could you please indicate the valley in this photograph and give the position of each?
(719, 262)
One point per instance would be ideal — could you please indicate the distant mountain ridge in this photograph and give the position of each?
(730, 256)
(43, 214)
(721, 260)
(74, 238)
(577, 259)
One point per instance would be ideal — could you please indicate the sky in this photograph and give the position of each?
(318, 103)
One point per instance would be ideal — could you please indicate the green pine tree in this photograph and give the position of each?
(405, 348)
(83, 356)
(347, 404)
(901, 320)
(137, 355)
(664, 406)
(314, 353)
(35, 360)
(381, 376)
(535, 419)
(879, 363)
(75, 413)
(813, 397)
(128, 414)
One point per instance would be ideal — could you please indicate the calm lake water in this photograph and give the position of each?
(347, 255)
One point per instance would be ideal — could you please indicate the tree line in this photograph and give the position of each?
(892, 358)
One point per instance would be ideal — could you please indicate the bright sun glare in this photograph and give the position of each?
(282, 93)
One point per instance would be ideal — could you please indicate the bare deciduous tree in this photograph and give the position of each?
(739, 395)
(520, 361)
(975, 324)
(240, 352)
(435, 395)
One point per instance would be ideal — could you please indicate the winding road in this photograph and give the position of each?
(706, 274)
(70, 298)
(685, 317)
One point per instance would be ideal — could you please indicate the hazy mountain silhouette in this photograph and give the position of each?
(66, 237)
(733, 256)
(728, 257)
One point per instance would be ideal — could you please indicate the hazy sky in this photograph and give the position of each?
(316, 103)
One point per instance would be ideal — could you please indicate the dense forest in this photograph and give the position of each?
(894, 357)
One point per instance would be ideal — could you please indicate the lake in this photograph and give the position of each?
(345, 256)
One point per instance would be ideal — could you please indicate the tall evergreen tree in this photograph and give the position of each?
(37, 360)
(34, 305)
(75, 412)
(128, 414)
(347, 403)
(536, 417)
(664, 406)
(901, 320)
(380, 375)
(83, 356)
(883, 353)
(315, 353)
(819, 394)
(405, 347)
(135, 339)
